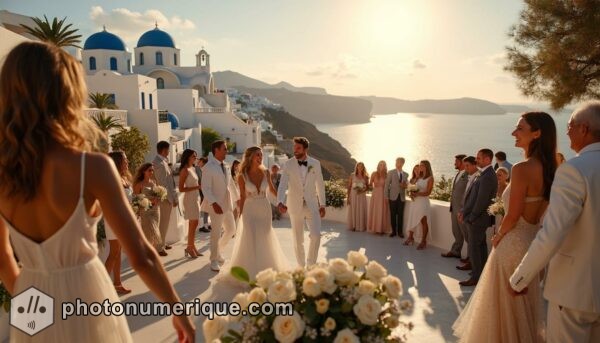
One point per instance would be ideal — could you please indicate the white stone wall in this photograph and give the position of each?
(180, 102)
(127, 89)
(103, 60)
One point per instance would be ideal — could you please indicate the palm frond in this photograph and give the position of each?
(55, 32)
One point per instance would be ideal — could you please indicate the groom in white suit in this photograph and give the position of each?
(302, 178)
(216, 182)
(570, 238)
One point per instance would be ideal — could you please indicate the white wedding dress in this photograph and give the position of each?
(256, 246)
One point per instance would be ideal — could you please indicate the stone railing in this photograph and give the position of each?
(210, 109)
(120, 115)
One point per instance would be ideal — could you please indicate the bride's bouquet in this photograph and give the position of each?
(359, 186)
(411, 189)
(497, 208)
(159, 192)
(345, 300)
(139, 202)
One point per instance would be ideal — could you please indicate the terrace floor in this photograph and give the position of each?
(430, 281)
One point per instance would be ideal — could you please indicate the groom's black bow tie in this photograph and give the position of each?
(303, 163)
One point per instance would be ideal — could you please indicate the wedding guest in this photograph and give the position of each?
(502, 162)
(235, 189)
(150, 218)
(379, 211)
(526, 198)
(420, 210)
(275, 179)
(395, 184)
(560, 158)
(502, 175)
(470, 165)
(199, 165)
(358, 184)
(568, 242)
(164, 177)
(415, 174)
(188, 185)
(474, 214)
(459, 185)
(51, 189)
(113, 261)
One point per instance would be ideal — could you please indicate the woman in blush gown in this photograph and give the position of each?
(419, 211)
(358, 184)
(51, 190)
(379, 211)
(256, 246)
(495, 313)
(144, 182)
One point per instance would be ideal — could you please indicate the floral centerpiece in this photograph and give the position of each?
(344, 300)
(497, 208)
(159, 192)
(139, 202)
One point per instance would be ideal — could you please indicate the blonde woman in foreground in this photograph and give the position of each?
(47, 169)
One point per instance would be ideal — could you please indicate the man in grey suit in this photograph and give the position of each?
(164, 177)
(474, 214)
(458, 193)
(395, 184)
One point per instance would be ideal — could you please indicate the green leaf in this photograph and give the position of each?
(240, 274)
(346, 307)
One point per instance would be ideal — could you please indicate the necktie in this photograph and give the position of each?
(223, 167)
(303, 163)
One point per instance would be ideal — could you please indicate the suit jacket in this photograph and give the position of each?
(458, 191)
(312, 190)
(392, 187)
(570, 237)
(164, 177)
(479, 197)
(216, 186)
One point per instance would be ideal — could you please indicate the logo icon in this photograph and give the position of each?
(31, 311)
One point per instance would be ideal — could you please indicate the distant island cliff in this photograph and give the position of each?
(383, 105)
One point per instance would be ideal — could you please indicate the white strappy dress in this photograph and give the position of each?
(66, 266)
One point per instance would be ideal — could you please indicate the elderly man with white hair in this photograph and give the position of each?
(570, 238)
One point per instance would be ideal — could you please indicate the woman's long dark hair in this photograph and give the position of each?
(544, 147)
(185, 158)
(139, 175)
(234, 169)
(118, 157)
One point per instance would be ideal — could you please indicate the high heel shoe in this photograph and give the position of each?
(190, 252)
(422, 245)
(409, 241)
(122, 290)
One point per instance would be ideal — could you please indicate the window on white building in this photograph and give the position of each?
(160, 83)
(113, 63)
(175, 59)
(159, 60)
(92, 63)
(143, 101)
(141, 58)
(150, 100)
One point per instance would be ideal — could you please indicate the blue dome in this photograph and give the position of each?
(174, 120)
(104, 40)
(156, 37)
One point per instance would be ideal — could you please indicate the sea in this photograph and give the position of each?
(434, 137)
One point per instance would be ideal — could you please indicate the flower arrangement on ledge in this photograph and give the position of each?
(346, 300)
(335, 194)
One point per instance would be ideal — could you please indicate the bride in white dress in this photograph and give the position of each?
(256, 247)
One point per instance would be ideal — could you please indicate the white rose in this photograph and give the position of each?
(282, 291)
(393, 286)
(145, 203)
(265, 278)
(357, 259)
(375, 271)
(342, 272)
(322, 305)
(346, 336)
(310, 287)
(329, 324)
(367, 309)
(324, 278)
(366, 287)
(257, 295)
(215, 328)
(284, 276)
(287, 329)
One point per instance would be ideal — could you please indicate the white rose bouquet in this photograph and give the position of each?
(497, 208)
(411, 189)
(359, 186)
(140, 203)
(344, 300)
(159, 192)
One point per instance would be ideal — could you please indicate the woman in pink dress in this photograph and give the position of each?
(379, 209)
(358, 184)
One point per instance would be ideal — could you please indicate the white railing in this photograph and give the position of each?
(120, 115)
(210, 109)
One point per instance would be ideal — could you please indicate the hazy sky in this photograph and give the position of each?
(400, 48)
